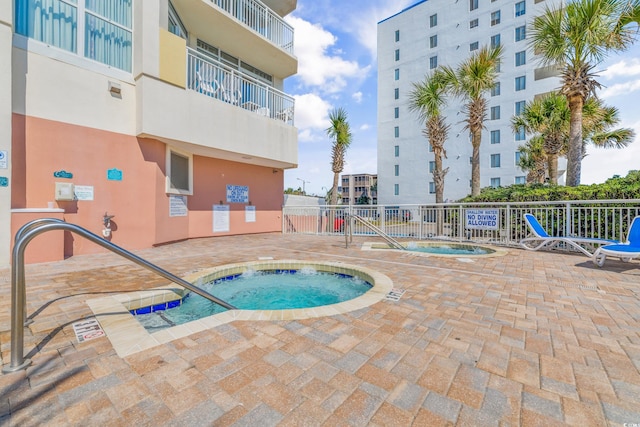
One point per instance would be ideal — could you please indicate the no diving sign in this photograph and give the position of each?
(88, 330)
(482, 219)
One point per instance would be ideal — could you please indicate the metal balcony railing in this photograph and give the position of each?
(221, 82)
(224, 83)
(257, 16)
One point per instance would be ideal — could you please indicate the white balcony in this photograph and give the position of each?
(257, 16)
(218, 81)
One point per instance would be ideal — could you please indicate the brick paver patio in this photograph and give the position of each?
(529, 338)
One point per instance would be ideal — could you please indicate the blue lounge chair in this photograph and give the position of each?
(625, 251)
(541, 239)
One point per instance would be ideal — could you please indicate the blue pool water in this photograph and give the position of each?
(262, 290)
(449, 249)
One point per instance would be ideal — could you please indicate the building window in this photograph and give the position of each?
(495, 18)
(521, 8)
(520, 134)
(495, 160)
(521, 58)
(521, 83)
(498, 65)
(433, 62)
(396, 93)
(179, 172)
(495, 182)
(495, 40)
(397, 35)
(102, 33)
(495, 90)
(433, 20)
(473, 4)
(396, 189)
(396, 131)
(432, 188)
(473, 46)
(495, 113)
(495, 136)
(518, 155)
(396, 112)
(396, 151)
(432, 166)
(175, 23)
(433, 41)
(519, 107)
(397, 54)
(473, 23)
(521, 33)
(396, 73)
(521, 180)
(396, 170)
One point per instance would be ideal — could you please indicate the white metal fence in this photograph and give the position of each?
(495, 223)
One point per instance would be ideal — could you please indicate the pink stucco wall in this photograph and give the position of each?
(139, 202)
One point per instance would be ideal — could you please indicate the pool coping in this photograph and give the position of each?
(378, 246)
(128, 336)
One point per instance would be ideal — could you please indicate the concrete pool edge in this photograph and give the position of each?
(377, 246)
(128, 336)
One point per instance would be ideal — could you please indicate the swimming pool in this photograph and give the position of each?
(277, 289)
(444, 249)
(128, 336)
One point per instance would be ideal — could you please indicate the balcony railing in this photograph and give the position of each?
(260, 19)
(221, 82)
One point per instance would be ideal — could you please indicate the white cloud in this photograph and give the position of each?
(365, 127)
(624, 88)
(317, 68)
(357, 97)
(624, 68)
(312, 112)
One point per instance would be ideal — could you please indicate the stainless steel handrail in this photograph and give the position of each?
(393, 242)
(18, 292)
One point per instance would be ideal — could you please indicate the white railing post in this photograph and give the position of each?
(568, 222)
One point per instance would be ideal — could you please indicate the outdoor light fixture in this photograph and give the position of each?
(115, 89)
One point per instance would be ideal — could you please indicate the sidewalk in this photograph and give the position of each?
(528, 338)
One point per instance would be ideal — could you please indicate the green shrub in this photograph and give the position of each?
(614, 188)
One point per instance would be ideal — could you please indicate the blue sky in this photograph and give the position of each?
(335, 42)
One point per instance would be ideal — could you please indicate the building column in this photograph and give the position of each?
(6, 37)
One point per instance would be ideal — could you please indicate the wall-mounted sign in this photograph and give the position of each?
(4, 160)
(220, 218)
(237, 194)
(482, 219)
(177, 205)
(84, 192)
(114, 174)
(63, 174)
(4, 181)
(249, 214)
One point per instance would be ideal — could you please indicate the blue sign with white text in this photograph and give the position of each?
(114, 174)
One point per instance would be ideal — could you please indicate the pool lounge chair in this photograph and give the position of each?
(542, 240)
(625, 251)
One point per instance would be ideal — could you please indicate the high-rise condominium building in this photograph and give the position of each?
(413, 43)
(144, 122)
(355, 188)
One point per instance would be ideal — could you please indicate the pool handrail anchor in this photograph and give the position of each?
(393, 242)
(18, 290)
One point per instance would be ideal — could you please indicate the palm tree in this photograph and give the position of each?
(598, 120)
(340, 132)
(548, 117)
(575, 37)
(470, 81)
(533, 160)
(428, 99)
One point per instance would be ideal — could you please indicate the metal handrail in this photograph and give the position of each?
(393, 242)
(18, 292)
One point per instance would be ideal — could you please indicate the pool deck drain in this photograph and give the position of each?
(514, 340)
